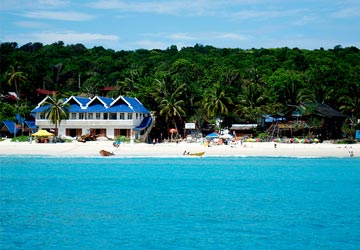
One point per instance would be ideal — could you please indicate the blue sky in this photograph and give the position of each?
(150, 24)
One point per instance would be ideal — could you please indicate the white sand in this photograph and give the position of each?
(172, 149)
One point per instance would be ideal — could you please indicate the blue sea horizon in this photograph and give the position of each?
(179, 203)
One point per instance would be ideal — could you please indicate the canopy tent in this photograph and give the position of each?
(42, 132)
(212, 135)
(226, 136)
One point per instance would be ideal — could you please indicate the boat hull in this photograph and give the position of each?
(105, 153)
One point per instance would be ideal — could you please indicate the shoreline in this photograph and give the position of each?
(250, 149)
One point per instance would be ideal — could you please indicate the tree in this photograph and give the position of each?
(168, 96)
(15, 78)
(56, 110)
(254, 98)
(216, 101)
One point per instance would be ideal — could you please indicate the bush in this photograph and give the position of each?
(22, 138)
(346, 141)
(122, 138)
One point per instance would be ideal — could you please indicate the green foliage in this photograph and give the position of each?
(346, 141)
(22, 138)
(199, 82)
(122, 138)
(7, 111)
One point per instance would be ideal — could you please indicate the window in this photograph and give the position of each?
(105, 116)
(122, 116)
(112, 116)
(129, 116)
(81, 116)
(98, 116)
(137, 116)
(73, 116)
(90, 116)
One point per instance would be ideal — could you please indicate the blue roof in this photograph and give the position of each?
(39, 109)
(31, 124)
(92, 108)
(120, 108)
(19, 118)
(102, 105)
(11, 126)
(106, 100)
(75, 108)
(144, 124)
(82, 100)
(136, 105)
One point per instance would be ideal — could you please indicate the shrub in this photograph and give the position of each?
(22, 138)
(122, 138)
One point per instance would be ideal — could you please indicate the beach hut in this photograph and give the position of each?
(9, 129)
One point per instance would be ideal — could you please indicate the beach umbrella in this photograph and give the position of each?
(212, 135)
(226, 136)
(42, 132)
(173, 130)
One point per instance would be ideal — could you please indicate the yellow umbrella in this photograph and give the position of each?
(42, 132)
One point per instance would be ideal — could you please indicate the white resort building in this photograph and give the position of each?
(99, 115)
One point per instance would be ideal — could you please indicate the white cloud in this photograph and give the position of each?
(26, 24)
(203, 36)
(148, 44)
(175, 7)
(59, 15)
(72, 37)
(347, 13)
(53, 3)
(182, 36)
(265, 14)
(231, 36)
(32, 4)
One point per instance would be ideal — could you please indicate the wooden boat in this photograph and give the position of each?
(105, 153)
(197, 154)
(194, 154)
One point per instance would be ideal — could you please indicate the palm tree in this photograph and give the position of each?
(168, 95)
(216, 101)
(56, 110)
(15, 78)
(250, 101)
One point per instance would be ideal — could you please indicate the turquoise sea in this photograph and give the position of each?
(179, 203)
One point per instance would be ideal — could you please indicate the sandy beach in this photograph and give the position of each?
(177, 149)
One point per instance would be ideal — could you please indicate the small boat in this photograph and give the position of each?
(197, 154)
(105, 153)
(194, 154)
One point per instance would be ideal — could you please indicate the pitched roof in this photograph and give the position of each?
(101, 105)
(319, 109)
(325, 110)
(144, 124)
(19, 118)
(10, 126)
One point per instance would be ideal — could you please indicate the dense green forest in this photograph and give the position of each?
(198, 83)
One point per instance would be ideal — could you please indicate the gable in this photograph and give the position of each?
(101, 105)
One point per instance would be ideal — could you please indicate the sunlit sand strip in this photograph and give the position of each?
(177, 149)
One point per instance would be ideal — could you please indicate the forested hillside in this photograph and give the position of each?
(188, 84)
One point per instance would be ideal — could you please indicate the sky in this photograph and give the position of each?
(151, 24)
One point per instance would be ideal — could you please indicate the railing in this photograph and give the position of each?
(148, 130)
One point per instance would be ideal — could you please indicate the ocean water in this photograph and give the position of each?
(179, 203)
